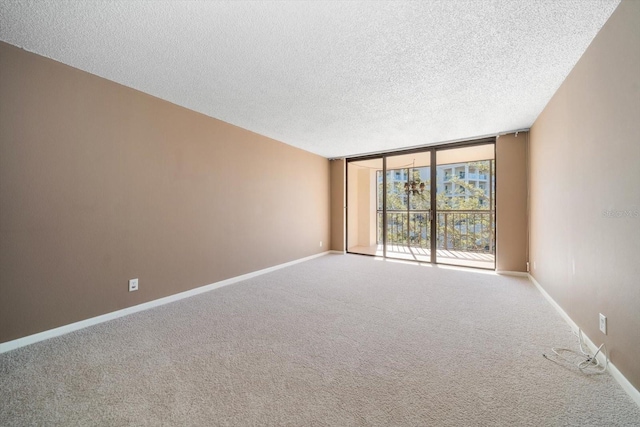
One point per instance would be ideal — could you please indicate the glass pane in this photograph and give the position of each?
(364, 201)
(408, 206)
(465, 201)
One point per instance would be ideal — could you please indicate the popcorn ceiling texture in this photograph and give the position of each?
(333, 78)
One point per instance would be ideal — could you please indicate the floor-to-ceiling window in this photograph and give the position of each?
(362, 205)
(407, 194)
(431, 205)
(465, 206)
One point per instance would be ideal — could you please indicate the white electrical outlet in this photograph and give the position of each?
(320, 243)
(603, 323)
(133, 285)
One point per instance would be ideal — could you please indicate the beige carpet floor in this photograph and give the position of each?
(342, 340)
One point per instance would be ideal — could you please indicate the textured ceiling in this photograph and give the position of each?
(333, 78)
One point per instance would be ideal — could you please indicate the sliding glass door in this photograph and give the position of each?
(362, 206)
(408, 207)
(465, 206)
(431, 205)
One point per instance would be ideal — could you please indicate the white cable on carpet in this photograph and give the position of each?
(591, 361)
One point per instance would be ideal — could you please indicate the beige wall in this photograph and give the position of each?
(352, 205)
(338, 206)
(100, 183)
(362, 214)
(511, 202)
(366, 207)
(585, 202)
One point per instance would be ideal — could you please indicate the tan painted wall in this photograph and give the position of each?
(366, 207)
(352, 204)
(511, 202)
(585, 202)
(361, 216)
(100, 183)
(338, 205)
(373, 209)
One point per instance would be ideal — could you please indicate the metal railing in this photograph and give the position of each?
(459, 230)
(466, 230)
(406, 228)
(467, 176)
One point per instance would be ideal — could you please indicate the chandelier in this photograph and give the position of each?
(414, 187)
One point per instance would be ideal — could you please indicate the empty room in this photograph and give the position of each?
(247, 213)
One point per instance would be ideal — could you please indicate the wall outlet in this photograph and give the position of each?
(133, 285)
(603, 323)
(320, 243)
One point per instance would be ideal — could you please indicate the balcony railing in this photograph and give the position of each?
(469, 176)
(459, 230)
(406, 228)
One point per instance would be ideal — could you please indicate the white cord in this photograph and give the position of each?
(591, 361)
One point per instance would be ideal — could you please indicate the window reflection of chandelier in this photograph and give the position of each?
(413, 187)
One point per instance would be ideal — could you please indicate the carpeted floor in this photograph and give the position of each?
(338, 341)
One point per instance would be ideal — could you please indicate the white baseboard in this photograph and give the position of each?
(512, 273)
(41, 336)
(615, 373)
